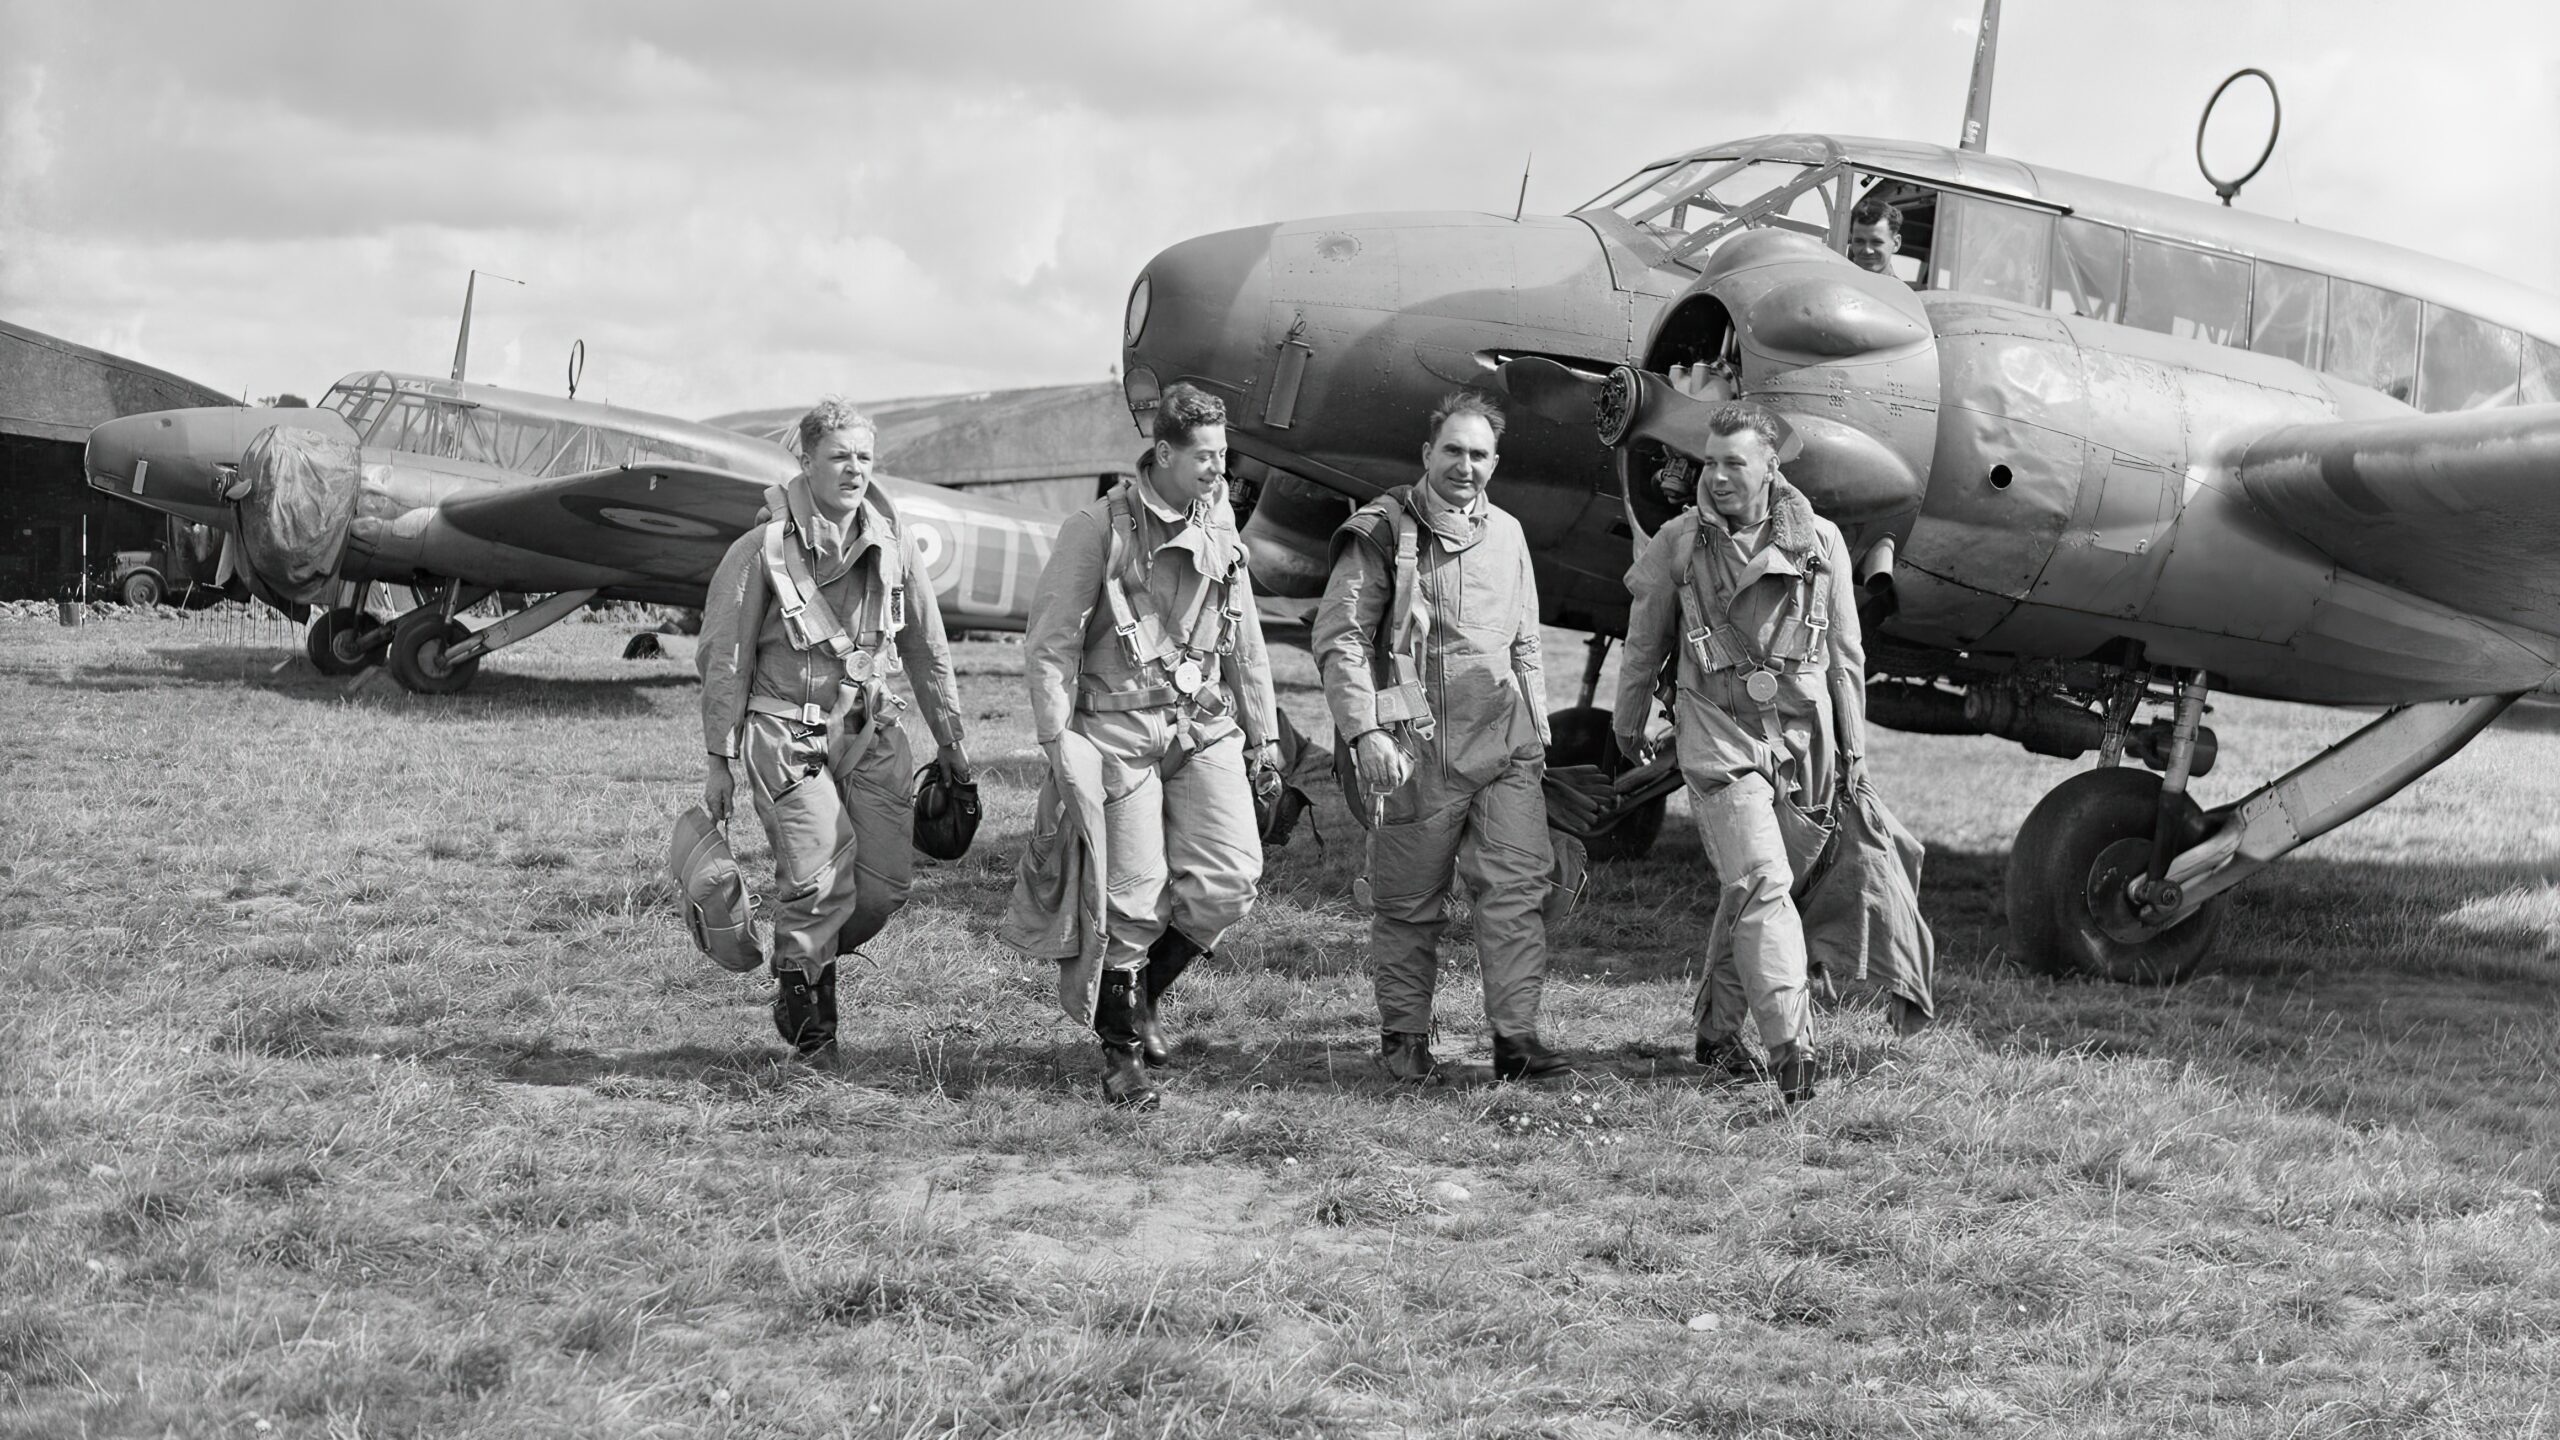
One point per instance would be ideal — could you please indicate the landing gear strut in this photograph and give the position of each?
(2119, 874)
(344, 638)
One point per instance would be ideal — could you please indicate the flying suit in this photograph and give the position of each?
(1770, 703)
(1143, 639)
(1459, 693)
(829, 766)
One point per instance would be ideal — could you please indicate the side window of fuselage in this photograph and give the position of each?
(2541, 374)
(2466, 363)
(2373, 338)
(2087, 270)
(2289, 313)
(2193, 294)
(1995, 249)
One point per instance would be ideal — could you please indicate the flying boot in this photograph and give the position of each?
(1119, 1012)
(804, 1011)
(1172, 954)
(1796, 1071)
(1525, 1057)
(1730, 1061)
(1407, 1057)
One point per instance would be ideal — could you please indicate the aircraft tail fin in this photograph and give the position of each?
(1977, 96)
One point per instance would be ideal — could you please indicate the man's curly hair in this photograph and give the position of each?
(1184, 412)
(827, 417)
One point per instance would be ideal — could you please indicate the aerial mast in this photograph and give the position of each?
(462, 341)
(1977, 98)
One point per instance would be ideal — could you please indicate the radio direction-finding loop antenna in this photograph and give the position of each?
(2228, 188)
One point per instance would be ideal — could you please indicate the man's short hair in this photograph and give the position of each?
(828, 416)
(1742, 416)
(1185, 411)
(1871, 210)
(1467, 402)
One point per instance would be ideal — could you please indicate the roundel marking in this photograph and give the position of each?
(933, 547)
(640, 519)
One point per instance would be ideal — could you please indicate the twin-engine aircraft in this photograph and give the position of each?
(461, 490)
(2099, 451)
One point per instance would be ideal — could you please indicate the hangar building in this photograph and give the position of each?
(1053, 446)
(53, 527)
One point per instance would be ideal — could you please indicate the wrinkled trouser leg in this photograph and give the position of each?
(1212, 850)
(1133, 831)
(1739, 824)
(1182, 845)
(879, 793)
(822, 827)
(1508, 862)
(1722, 1006)
(1410, 862)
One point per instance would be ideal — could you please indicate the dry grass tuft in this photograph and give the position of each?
(357, 1081)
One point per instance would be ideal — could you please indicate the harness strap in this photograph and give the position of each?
(822, 717)
(1401, 696)
(808, 621)
(1099, 701)
(1803, 622)
(1204, 633)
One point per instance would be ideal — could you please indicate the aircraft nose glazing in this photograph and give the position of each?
(1198, 312)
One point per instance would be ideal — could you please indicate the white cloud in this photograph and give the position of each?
(752, 204)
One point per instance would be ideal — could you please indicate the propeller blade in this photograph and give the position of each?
(1555, 391)
(1650, 409)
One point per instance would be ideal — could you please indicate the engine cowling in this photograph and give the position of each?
(302, 484)
(1848, 357)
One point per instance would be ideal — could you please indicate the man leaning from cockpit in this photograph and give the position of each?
(804, 615)
(1875, 235)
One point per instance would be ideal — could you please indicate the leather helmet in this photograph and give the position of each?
(718, 911)
(946, 812)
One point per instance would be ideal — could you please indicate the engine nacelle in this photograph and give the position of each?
(1848, 357)
(301, 482)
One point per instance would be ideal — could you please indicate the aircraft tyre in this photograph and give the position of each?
(331, 642)
(417, 658)
(1581, 735)
(2065, 882)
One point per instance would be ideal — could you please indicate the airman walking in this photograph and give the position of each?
(1148, 679)
(1753, 593)
(1428, 641)
(804, 615)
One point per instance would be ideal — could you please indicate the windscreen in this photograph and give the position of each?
(1689, 206)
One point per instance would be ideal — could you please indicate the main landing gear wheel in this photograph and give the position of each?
(417, 656)
(334, 642)
(1582, 736)
(2068, 914)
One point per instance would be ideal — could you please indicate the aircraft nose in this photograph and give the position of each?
(166, 459)
(1200, 312)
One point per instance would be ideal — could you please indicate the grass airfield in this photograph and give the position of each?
(356, 1079)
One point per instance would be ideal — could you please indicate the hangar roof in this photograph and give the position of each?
(989, 437)
(54, 390)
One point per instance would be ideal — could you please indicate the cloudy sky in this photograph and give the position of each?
(748, 204)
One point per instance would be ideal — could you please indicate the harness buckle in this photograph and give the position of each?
(813, 715)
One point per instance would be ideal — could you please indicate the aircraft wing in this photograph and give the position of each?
(663, 520)
(667, 524)
(2461, 508)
